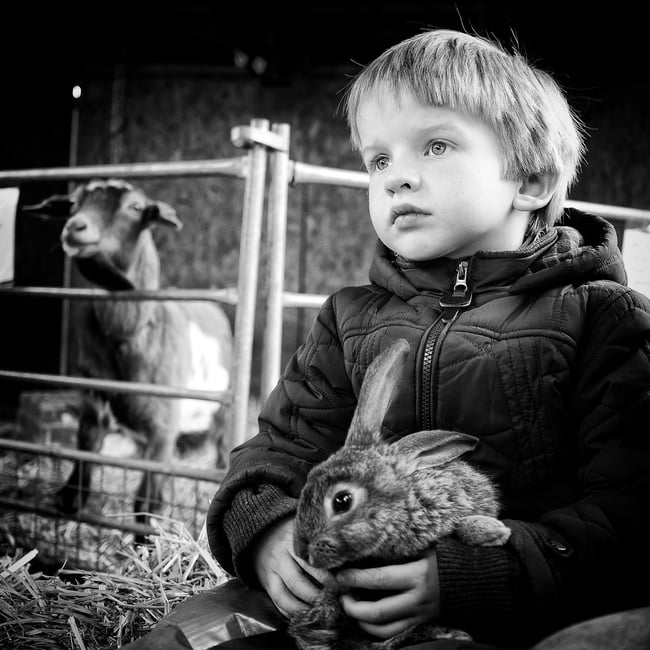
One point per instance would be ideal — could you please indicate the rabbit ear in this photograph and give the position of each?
(435, 448)
(380, 381)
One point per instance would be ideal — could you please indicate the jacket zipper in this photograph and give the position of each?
(452, 303)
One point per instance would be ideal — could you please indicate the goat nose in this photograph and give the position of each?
(76, 225)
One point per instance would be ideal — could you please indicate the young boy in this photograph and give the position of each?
(522, 333)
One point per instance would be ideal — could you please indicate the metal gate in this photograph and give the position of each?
(31, 474)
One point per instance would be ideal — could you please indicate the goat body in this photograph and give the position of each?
(180, 344)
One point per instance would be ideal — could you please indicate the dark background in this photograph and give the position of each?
(598, 55)
(46, 47)
(49, 39)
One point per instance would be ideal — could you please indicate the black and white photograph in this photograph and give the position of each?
(324, 325)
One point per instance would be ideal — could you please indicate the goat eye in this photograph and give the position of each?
(342, 501)
(136, 207)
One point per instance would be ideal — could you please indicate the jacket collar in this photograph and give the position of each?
(584, 247)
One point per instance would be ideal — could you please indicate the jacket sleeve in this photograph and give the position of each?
(304, 420)
(589, 556)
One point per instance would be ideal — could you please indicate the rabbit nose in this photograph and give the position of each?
(324, 553)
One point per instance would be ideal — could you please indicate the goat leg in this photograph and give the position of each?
(73, 496)
(148, 500)
(95, 420)
(149, 497)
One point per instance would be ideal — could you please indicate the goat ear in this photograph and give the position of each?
(57, 206)
(382, 377)
(435, 448)
(159, 212)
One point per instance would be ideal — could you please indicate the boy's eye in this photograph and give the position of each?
(436, 148)
(378, 163)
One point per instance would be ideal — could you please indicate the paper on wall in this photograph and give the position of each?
(636, 255)
(8, 204)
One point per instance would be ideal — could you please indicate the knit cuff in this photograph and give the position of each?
(252, 512)
(477, 586)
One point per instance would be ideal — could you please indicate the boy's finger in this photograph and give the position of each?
(283, 598)
(287, 603)
(302, 587)
(387, 630)
(319, 575)
(383, 611)
(387, 577)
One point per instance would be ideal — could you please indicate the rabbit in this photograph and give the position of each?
(375, 503)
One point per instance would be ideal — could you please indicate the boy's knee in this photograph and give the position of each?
(628, 630)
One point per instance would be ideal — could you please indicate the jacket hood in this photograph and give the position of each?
(584, 247)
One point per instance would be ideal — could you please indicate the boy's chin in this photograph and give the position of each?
(416, 256)
(415, 247)
(414, 251)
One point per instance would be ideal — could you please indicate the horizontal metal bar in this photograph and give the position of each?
(82, 517)
(62, 453)
(227, 296)
(114, 386)
(306, 173)
(612, 211)
(237, 167)
(290, 299)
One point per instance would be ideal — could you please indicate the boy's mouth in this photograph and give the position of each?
(405, 214)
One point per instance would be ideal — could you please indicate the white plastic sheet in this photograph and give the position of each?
(636, 255)
(8, 204)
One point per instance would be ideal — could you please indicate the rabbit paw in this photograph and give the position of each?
(408, 638)
(318, 627)
(481, 530)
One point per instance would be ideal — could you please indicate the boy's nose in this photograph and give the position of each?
(401, 179)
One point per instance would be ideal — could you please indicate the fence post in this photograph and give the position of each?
(249, 251)
(277, 242)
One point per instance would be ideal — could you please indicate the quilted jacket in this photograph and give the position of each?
(543, 354)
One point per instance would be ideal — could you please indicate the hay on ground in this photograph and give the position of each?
(80, 610)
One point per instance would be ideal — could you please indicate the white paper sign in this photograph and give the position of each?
(636, 255)
(8, 204)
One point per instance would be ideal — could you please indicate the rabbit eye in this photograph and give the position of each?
(342, 501)
(344, 497)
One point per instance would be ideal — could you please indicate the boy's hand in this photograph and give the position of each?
(290, 583)
(416, 597)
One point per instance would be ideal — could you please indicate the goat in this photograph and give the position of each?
(184, 344)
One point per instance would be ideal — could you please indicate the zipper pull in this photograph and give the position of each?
(459, 297)
(461, 278)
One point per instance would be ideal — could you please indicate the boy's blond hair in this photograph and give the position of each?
(537, 129)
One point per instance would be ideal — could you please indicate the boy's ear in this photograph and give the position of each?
(535, 191)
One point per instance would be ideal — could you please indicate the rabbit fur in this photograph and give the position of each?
(375, 503)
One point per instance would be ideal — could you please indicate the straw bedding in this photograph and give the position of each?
(80, 610)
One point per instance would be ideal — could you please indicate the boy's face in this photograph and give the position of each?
(436, 185)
